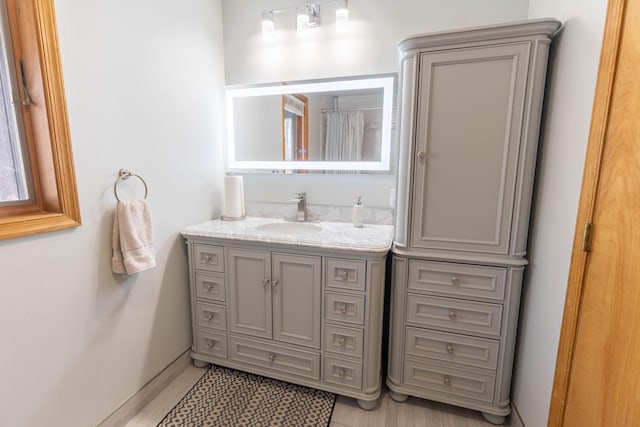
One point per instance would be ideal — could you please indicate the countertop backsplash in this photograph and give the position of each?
(379, 216)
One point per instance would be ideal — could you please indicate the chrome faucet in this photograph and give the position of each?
(301, 198)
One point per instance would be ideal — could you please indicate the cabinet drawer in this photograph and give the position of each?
(207, 257)
(451, 381)
(342, 372)
(210, 286)
(346, 274)
(211, 316)
(461, 349)
(275, 357)
(457, 279)
(344, 308)
(340, 340)
(454, 314)
(211, 343)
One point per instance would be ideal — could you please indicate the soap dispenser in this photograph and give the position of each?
(358, 212)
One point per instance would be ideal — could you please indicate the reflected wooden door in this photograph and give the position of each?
(597, 379)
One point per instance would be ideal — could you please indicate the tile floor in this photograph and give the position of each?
(346, 413)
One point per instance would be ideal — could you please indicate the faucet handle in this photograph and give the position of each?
(299, 196)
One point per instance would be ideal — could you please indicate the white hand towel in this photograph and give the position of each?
(132, 238)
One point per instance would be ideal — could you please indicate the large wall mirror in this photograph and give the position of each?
(311, 126)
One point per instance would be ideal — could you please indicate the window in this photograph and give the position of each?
(37, 180)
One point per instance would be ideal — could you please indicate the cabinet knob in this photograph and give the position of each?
(342, 373)
(265, 281)
(344, 275)
(422, 154)
(274, 283)
(446, 380)
(206, 258)
(210, 342)
(271, 357)
(343, 308)
(455, 280)
(449, 348)
(209, 315)
(452, 315)
(207, 286)
(342, 341)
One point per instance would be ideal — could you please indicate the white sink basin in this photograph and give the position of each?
(289, 228)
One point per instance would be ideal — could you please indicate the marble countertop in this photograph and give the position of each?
(332, 235)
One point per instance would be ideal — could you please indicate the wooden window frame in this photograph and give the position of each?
(54, 203)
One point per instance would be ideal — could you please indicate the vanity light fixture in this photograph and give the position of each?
(307, 16)
(267, 26)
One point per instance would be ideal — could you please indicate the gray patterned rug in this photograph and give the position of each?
(224, 397)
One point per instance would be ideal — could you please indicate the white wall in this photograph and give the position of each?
(569, 99)
(144, 83)
(369, 46)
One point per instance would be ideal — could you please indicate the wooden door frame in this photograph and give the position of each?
(590, 180)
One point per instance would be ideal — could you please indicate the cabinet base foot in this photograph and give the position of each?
(398, 397)
(367, 405)
(493, 419)
(200, 364)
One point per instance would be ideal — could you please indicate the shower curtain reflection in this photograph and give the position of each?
(344, 135)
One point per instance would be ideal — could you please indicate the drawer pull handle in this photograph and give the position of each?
(449, 349)
(271, 357)
(343, 308)
(206, 258)
(455, 280)
(265, 281)
(274, 283)
(342, 341)
(342, 373)
(344, 275)
(207, 286)
(447, 380)
(209, 315)
(210, 342)
(452, 315)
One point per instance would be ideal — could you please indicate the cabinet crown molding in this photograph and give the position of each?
(544, 28)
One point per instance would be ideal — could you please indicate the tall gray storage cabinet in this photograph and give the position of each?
(471, 102)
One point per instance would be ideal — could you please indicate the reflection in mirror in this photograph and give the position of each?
(295, 127)
(328, 125)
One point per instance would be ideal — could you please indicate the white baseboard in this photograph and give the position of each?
(516, 419)
(146, 394)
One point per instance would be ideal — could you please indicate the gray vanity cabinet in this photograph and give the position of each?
(275, 295)
(278, 306)
(470, 116)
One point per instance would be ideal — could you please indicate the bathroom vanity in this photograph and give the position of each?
(299, 302)
(470, 117)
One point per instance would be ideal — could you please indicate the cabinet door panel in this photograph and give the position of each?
(249, 292)
(296, 294)
(470, 108)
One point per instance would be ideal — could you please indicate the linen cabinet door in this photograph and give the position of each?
(469, 125)
(249, 299)
(296, 293)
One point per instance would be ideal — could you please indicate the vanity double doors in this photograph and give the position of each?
(275, 296)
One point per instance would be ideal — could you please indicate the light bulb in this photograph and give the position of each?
(342, 15)
(302, 19)
(267, 26)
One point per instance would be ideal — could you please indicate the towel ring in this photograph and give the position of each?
(125, 174)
